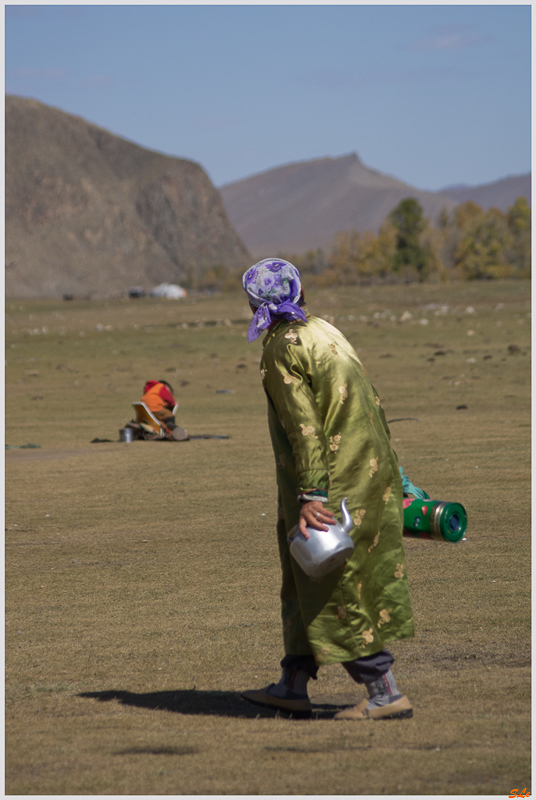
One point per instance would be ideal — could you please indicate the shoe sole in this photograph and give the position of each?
(400, 715)
(360, 711)
(288, 712)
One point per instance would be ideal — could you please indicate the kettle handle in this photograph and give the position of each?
(347, 522)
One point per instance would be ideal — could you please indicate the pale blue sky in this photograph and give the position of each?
(431, 94)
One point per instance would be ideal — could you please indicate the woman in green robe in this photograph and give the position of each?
(330, 441)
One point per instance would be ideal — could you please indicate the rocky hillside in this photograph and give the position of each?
(90, 213)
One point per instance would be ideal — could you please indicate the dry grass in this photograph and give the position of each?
(142, 579)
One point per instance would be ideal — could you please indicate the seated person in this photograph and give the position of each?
(158, 397)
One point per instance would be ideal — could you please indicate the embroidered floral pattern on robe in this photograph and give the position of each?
(359, 516)
(334, 442)
(323, 439)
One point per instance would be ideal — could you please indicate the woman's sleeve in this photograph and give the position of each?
(167, 397)
(287, 383)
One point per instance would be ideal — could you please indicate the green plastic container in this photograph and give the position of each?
(434, 519)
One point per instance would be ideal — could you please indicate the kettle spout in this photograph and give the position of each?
(346, 518)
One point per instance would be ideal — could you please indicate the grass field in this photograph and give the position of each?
(142, 578)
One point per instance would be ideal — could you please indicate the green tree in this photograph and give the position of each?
(355, 256)
(484, 242)
(313, 262)
(409, 223)
(519, 223)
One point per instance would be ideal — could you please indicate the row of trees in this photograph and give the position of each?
(466, 244)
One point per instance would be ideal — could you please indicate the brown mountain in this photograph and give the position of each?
(88, 212)
(301, 206)
(499, 194)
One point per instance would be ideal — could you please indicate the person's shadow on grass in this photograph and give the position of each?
(192, 701)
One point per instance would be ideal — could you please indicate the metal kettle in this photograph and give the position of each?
(323, 551)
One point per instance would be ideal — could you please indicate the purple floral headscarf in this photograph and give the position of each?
(274, 287)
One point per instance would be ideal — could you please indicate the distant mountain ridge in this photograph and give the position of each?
(497, 194)
(302, 205)
(88, 212)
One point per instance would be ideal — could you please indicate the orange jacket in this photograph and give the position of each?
(157, 397)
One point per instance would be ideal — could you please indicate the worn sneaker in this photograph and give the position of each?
(398, 709)
(291, 703)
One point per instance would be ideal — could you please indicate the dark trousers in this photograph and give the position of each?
(362, 670)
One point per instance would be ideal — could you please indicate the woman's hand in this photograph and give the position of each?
(316, 516)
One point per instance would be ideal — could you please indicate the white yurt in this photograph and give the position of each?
(169, 291)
